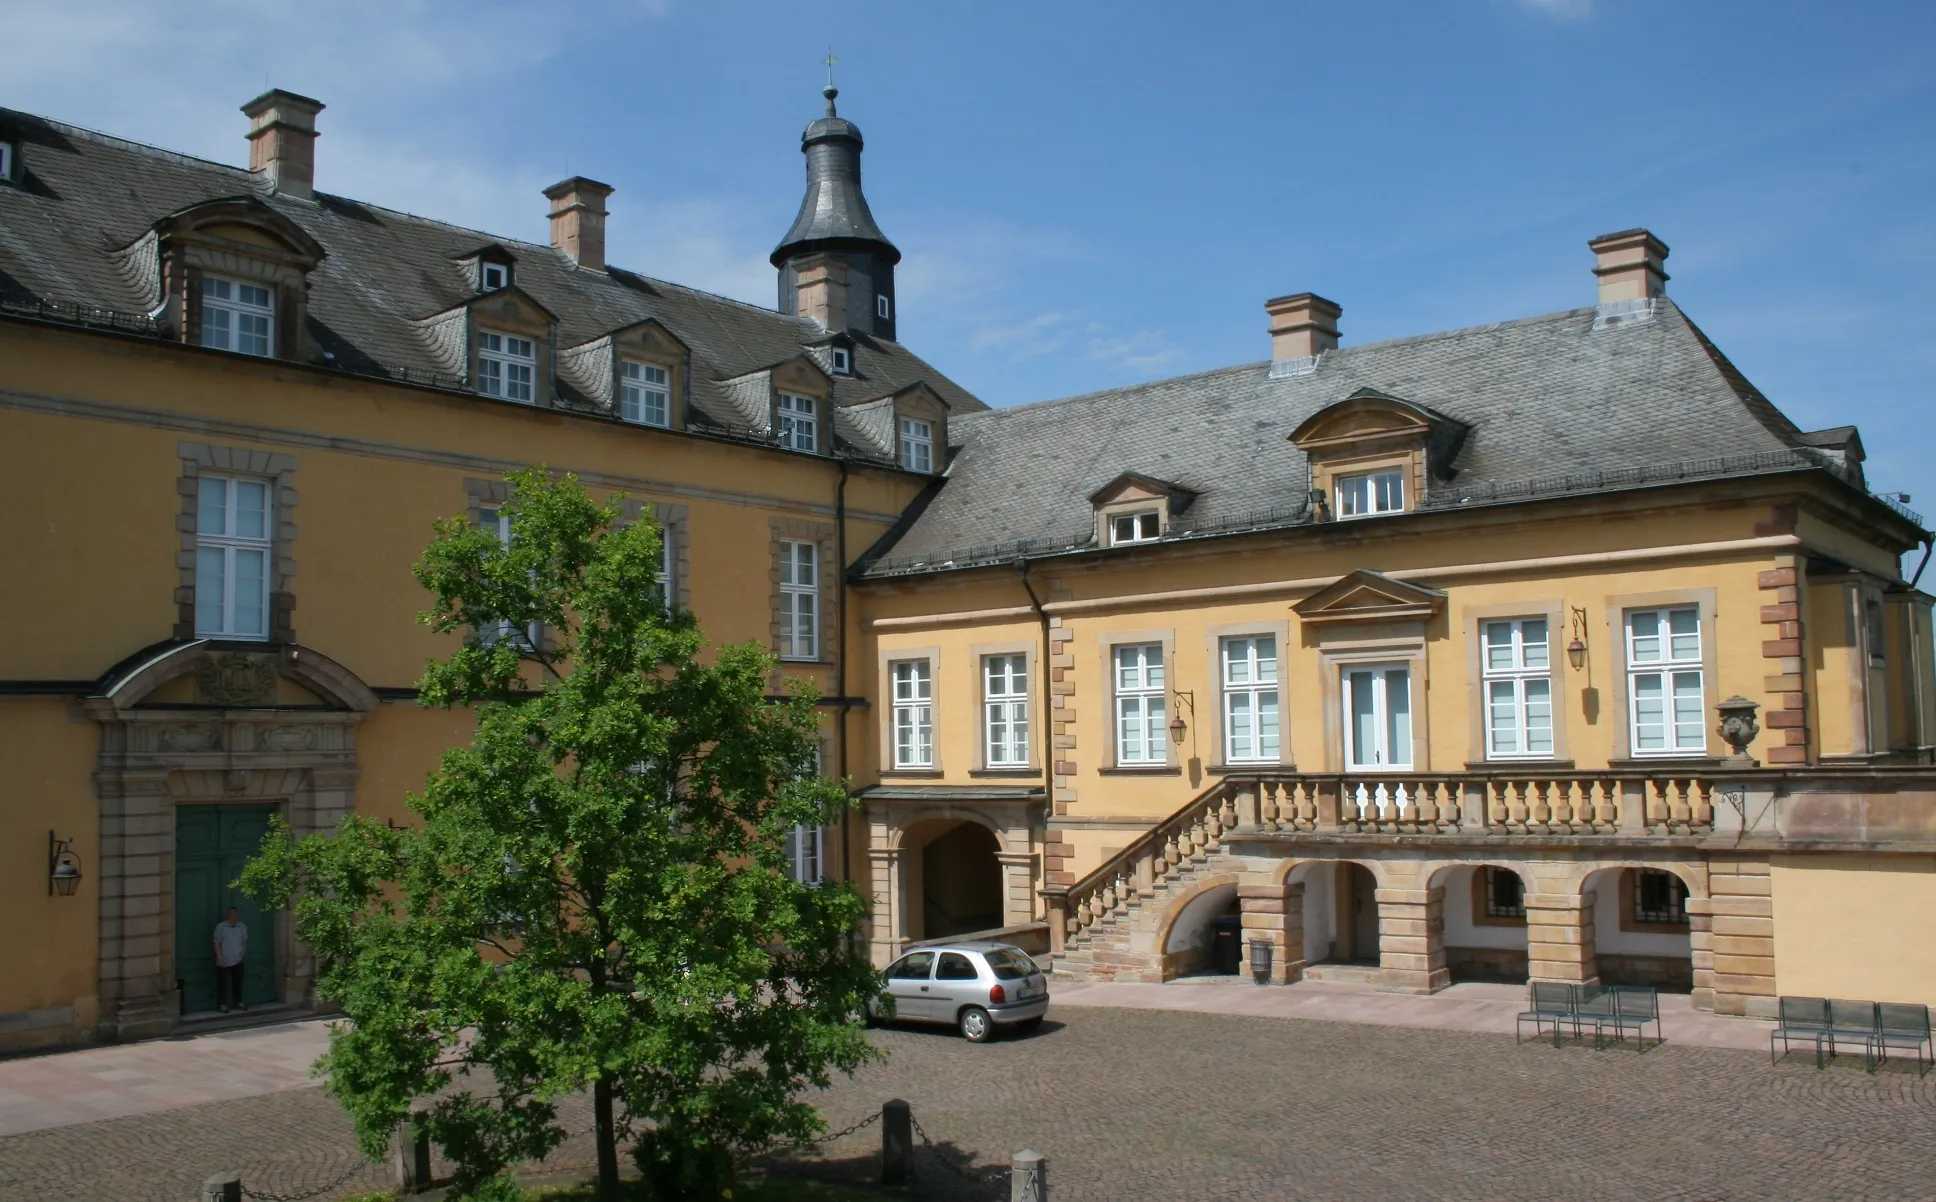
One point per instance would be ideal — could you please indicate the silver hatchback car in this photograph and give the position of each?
(979, 987)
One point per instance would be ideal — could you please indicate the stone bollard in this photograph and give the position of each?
(1028, 1177)
(223, 1187)
(411, 1153)
(897, 1142)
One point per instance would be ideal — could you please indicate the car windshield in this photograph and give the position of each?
(1009, 964)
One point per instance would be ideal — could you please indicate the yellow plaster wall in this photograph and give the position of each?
(1856, 926)
(50, 943)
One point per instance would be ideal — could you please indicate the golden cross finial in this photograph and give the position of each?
(830, 60)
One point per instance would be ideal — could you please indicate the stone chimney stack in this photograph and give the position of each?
(1628, 265)
(1302, 326)
(282, 141)
(821, 281)
(578, 219)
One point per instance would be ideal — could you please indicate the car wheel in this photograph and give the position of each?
(976, 1026)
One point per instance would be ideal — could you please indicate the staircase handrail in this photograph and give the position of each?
(1064, 899)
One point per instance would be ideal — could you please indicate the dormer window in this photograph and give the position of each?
(843, 361)
(494, 276)
(1142, 526)
(238, 316)
(917, 444)
(506, 367)
(799, 423)
(643, 395)
(1366, 493)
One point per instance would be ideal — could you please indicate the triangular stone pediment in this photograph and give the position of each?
(1135, 486)
(1368, 596)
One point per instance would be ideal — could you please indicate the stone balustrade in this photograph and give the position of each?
(1553, 803)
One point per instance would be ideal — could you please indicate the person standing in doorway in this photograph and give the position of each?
(231, 945)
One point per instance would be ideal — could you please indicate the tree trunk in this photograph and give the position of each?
(607, 1140)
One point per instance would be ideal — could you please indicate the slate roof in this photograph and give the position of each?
(1553, 404)
(80, 196)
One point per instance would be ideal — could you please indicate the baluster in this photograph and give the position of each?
(1653, 808)
(1566, 806)
(1227, 814)
(1451, 806)
(1171, 854)
(1538, 812)
(1517, 810)
(1425, 805)
(1381, 805)
(1703, 803)
(1683, 809)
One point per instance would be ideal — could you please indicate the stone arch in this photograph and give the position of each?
(208, 723)
(897, 835)
(1627, 950)
(1481, 936)
(1211, 891)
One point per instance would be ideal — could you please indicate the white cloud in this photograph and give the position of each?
(1043, 334)
(1140, 349)
(1564, 10)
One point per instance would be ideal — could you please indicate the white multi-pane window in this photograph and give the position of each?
(805, 850)
(662, 576)
(1378, 718)
(1517, 669)
(1005, 709)
(498, 521)
(799, 600)
(238, 316)
(233, 549)
(1664, 695)
(1142, 527)
(643, 395)
(843, 360)
(1141, 707)
(495, 276)
(1250, 699)
(506, 366)
(799, 428)
(1371, 492)
(917, 444)
(913, 683)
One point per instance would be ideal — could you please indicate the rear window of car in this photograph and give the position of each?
(1010, 965)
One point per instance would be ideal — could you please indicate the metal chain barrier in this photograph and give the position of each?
(266, 1196)
(987, 1176)
(827, 1139)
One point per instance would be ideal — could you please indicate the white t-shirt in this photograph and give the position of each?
(230, 940)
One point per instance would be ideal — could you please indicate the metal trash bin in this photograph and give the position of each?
(1260, 961)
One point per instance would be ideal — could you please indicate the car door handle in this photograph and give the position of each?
(924, 989)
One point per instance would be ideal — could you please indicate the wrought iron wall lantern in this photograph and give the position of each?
(1576, 650)
(63, 866)
(1185, 699)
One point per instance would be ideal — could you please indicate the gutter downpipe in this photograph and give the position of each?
(1055, 908)
(840, 656)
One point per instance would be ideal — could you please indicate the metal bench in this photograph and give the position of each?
(1903, 1025)
(1552, 1002)
(1799, 1019)
(1620, 1008)
(1851, 1021)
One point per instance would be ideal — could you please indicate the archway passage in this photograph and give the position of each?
(1641, 934)
(1485, 923)
(961, 882)
(1357, 938)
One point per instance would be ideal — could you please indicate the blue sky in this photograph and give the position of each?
(1092, 194)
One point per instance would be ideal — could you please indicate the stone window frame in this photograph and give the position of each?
(885, 659)
(1328, 467)
(495, 493)
(675, 522)
(1405, 648)
(1629, 887)
(1106, 643)
(1213, 638)
(1707, 602)
(1028, 649)
(1480, 916)
(785, 530)
(1472, 620)
(280, 469)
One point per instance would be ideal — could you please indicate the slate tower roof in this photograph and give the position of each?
(834, 219)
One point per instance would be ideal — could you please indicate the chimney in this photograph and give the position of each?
(822, 283)
(282, 141)
(578, 220)
(1301, 326)
(1628, 265)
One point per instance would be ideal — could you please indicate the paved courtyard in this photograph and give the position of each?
(1156, 1103)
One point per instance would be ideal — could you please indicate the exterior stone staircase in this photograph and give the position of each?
(1113, 920)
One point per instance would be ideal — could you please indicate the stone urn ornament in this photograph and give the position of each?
(1739, 728)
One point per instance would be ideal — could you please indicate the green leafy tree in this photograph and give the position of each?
(597, 896)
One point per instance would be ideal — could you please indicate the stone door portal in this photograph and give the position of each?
(212, 844)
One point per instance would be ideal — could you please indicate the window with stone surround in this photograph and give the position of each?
(798, 423)
(644, 394)
(507, 367)
(1505, 893)
(806, 853)
(234, 548)
(238, 316)
(799, 600)
(1005, 716)
(1517, 675)
(1143, 526)
(1659, 898)
(1366, 493)
(1666, 711)
(1142, 719)
(917, 444)
(497, 519)
(913, 702)
(1250, 726)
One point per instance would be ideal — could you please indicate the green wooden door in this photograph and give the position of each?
(212, 843)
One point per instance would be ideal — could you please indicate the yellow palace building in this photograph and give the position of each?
(1410, 661)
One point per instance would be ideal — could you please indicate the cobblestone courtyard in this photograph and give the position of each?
(1165, 1104)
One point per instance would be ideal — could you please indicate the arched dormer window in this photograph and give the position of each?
(1372, 454)
(1134, 508)
(499, 343)
(637, 374)
(489, 268)
(230, 275)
